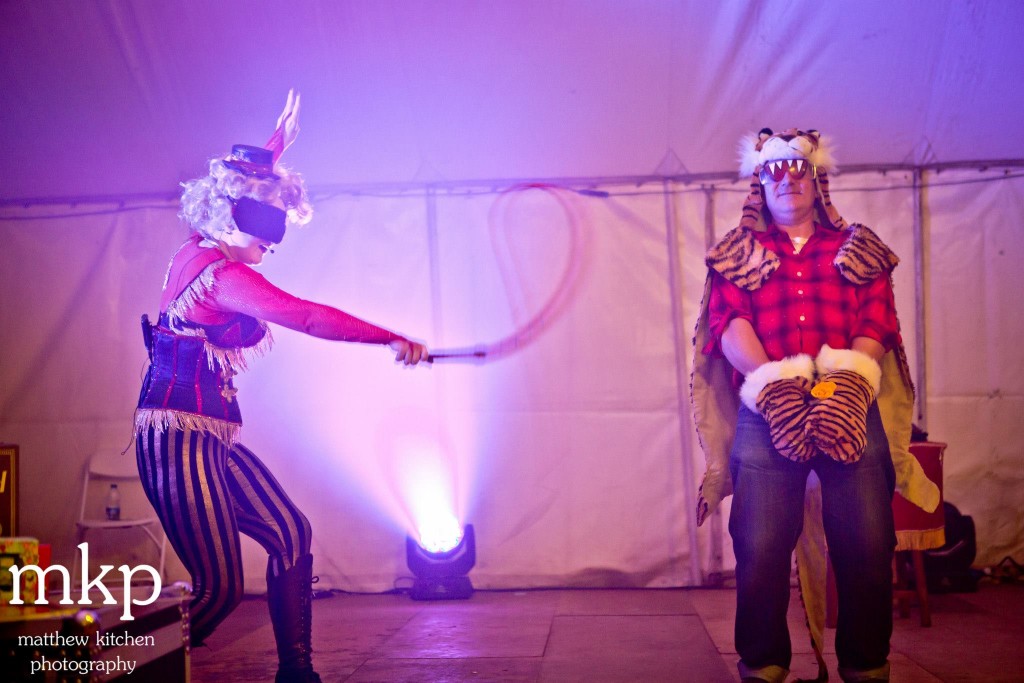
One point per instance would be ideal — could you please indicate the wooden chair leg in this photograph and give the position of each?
(901, 585)
(921, 584)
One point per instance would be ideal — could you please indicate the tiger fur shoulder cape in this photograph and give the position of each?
(741, 259)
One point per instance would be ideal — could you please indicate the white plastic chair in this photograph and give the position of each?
(113, 467)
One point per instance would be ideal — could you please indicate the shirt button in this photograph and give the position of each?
(799, 273)
(802, 318)
(799, 291)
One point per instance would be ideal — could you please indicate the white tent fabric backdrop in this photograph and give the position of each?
(574, 458)
(115, 97)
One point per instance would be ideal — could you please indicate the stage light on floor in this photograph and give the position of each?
(440, 533)
(442, 574)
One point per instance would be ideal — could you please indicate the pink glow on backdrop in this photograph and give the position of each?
(424, 480)
(413, 443)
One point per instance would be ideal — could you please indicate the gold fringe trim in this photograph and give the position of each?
(237, 359)
(164, 420)
(921, 539)
(234, 359)
(196, 291)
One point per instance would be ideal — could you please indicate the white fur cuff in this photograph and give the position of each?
(800, 365)
(830, 359)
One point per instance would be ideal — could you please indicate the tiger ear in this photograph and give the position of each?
(747, 150)
(764, 134)
(822, 155)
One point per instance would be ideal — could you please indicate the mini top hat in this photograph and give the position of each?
(250, 160)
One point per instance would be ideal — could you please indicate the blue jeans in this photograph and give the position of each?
(766, 520)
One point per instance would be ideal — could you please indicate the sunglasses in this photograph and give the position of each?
(777, 170)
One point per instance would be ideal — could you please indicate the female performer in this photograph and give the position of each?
(205, 485)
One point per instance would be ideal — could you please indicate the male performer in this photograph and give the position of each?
(800, 367)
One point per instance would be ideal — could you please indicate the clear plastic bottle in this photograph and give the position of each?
(113, 503)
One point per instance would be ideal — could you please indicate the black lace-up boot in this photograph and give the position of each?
(290, 595)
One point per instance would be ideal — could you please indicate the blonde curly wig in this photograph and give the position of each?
(206, 201)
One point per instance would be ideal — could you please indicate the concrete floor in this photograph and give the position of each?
(597, 635)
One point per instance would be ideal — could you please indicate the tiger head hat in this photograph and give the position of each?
(771, 151)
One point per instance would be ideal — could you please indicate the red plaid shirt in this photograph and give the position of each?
(806, 303)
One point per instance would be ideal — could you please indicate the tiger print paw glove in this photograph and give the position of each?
(780, 392)
(848, 382)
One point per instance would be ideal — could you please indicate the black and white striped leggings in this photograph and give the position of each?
(205, 492)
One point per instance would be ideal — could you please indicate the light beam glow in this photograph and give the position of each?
(440, 532)
(424, 479)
